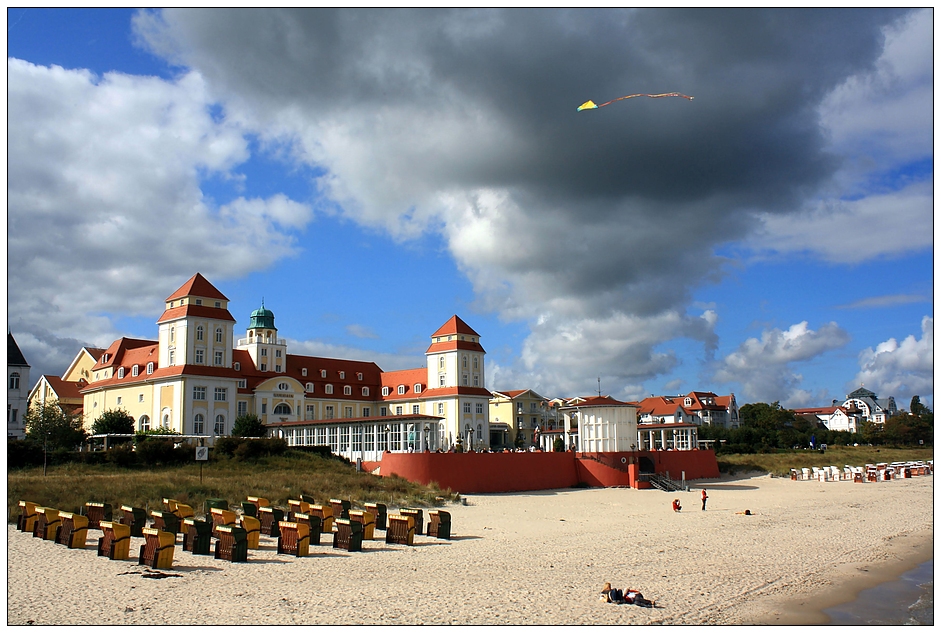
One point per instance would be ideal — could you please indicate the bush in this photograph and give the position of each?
(23, 454)
(157, 452)
(225, 446)
(123, 456)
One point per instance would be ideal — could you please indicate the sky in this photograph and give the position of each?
(369, 173)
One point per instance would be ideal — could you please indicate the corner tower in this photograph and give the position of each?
(268, 352)
(196, 327)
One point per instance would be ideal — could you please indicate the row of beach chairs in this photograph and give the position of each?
(860, 474)
(234, 534)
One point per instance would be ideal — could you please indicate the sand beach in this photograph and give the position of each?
(537, 558)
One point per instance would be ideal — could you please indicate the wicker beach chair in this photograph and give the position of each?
(197, 536)
(72, 531)
(232, 544)
(401, 530)
(157, 550)
(439, 524)
(27, 519)
(252, 527)
(313, 526)
(221, 517)
(136, 518)
(295, 506)
(349, 535)
(341, 508)
(379, 511)
(326, 516)
(47, 523)
(165, 521)
(115, 542)
(258, 502)
(294, 539)
(367, 519)
(416, 514)
(96, 513)
(270, 517)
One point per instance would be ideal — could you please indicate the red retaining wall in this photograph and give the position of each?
(515, 472)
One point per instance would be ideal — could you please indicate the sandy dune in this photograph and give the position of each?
(529, 558)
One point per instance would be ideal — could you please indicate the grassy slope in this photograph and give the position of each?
(782, 463)
(277, 479)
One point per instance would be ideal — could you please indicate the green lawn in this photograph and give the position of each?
(782, 463)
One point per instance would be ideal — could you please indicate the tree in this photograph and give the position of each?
(52, 428)
(249, 425)
(916, 406)
(116, 422)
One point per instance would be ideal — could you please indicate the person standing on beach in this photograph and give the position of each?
(704, 497)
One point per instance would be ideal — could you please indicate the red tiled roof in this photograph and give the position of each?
(440, 392)
(455, 325)
(117, 351)
(64, 388)
(197, 286)
(193, 310)
(601, 401)
(385, 418)
(407, 377)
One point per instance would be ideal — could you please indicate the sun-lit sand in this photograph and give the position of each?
(527, 558)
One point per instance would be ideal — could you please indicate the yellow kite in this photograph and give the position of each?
(590, 105)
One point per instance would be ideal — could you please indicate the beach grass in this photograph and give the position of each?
(69, 486)
(781, 463)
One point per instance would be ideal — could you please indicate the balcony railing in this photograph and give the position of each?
(261, 340)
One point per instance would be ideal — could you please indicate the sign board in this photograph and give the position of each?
(202, 453)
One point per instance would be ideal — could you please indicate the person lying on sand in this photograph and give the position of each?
(627, 596)
(747, 512)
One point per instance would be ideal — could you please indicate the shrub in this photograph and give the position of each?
(157, 452)
(123, 456)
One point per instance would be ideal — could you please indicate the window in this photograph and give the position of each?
(365, 391)
(277, 353)
(401, 390)
(166, 421)
(264, 351)
(238, 366)
(218, 359)
(119, 400)
(199, 302)
(347, 412)
(328, 412)
(347, 390)
(310, 412)
(120, 372)
(218, 335)
(359, 375)
(242, 407)
(143, 423)
(328, 389)
(172, 336)
(480, 431)
(398, 410)
(199, 424)
(441, 380)
(365, 412)
(417, 387)
(464, 362)
(383, 411)
(170, 358)
(476, 380)
(135, 370)
(480, 407)
(303, 371)
(219, 428)
(415, 409)
(342, 375)
(283, 386)
(264, 408)
(140, 397)
(219, 394)
(440, 408)
(441, 362)
(277, 368)
(323, 373)
(532, 406)
(15, 380)
(464, 380)
(309, 387)
(243, 383)
(199, 332)
(385, 391)
(200, 356)
(199, 393)
(264, 367)
(475, 362)
(467, 407)
(150, 368)
(282, 409)
(218, 304)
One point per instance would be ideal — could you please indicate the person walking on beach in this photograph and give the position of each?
(704, 497)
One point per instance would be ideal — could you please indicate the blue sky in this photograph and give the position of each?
(370, 173)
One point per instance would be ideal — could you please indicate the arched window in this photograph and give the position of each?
(441, 362)
(464, 362)
(172, 334)
(401, 390)
(218, 335)
(219, 428)
(417, 387)
(365, 391)
(282, 409)
(166, 420)
(347, 390)
(15, 380)
(135, 370)
(120, 372)
(328, 389)
(143, 423)
(150, 368)
(199, 424)
(199, 332)
(309, 387)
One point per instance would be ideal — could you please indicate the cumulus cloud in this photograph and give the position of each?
(592, 227)
(764, 367)
(105, 209)
(901, 370)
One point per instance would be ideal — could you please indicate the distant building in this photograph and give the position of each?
(523, 414)
(66, 392)
(869, 407)
(603, 424)
(697, 407)
(833, 418)
(17, 389)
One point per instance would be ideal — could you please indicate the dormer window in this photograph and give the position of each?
(309, 387)
(342, 375)
(150, 368)
(238, 366)
(365, 391)
(688, 402)
(135, 370)
(120, 372)
(199, 302)
(359, 375)
(401, 390)
(304, 371)
(385, 391)
(323, 373)
(347, 390)
(328, 389)
(417, 387)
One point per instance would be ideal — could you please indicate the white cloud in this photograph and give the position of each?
(764, 367)
(105, 209)
(901, 369)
